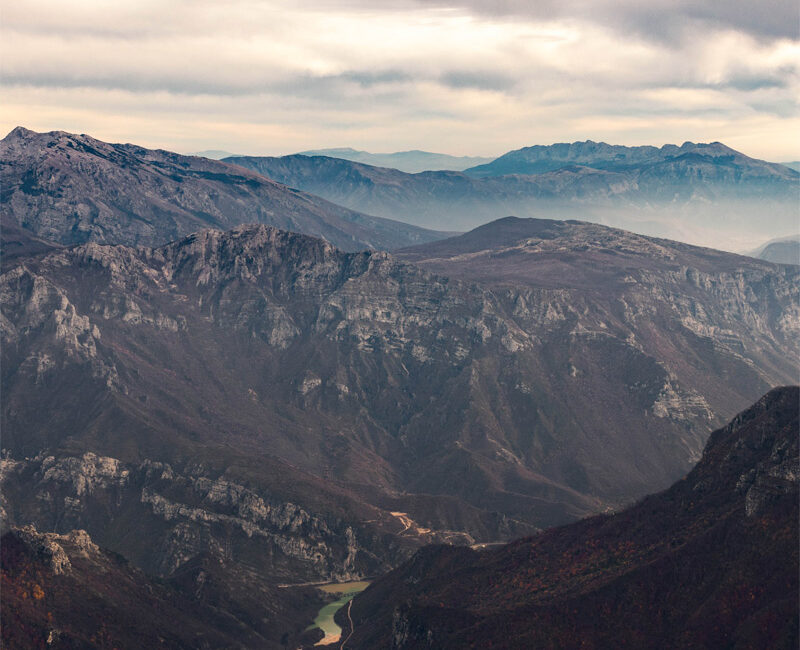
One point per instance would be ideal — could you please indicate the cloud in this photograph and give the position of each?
(480, 80)
(469, 77)
(667, 20)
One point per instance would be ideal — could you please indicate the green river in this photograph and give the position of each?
(324, 620)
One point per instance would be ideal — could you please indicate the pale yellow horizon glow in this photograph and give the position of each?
(274, 77)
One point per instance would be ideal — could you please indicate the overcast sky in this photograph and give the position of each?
(468, 78)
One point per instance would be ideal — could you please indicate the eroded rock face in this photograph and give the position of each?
(50, 546)
(202, 516)
(86, 474)
(776, 474)
(534, 373)
(260, 397)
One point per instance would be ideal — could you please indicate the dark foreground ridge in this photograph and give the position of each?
(63, 591)
(711, 562)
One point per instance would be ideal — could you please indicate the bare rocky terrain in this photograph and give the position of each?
(246, 407)
(263, 398)
(73, 189)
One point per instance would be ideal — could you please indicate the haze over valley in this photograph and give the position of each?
(704, 194)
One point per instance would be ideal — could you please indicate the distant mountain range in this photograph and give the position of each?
(702, 193)
(74, 189)
(214, 154)
(411, 162)
(784, 250)
(710, 563)
(417, 161)
(599, 155)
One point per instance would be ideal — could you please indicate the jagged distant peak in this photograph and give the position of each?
(583, 147)
(19, 132)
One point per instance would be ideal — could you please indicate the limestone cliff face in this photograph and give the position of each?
(184, 517)
(530, 375)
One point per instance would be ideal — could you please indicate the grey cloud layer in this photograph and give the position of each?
(429, 69)
(659, 19)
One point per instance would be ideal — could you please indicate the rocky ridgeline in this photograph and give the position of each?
(312, 288)
(72, 189)
(199, 516)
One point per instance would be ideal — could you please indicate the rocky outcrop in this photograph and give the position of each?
(65, 591)
(46, 546)
(50, 547)
(202, 516)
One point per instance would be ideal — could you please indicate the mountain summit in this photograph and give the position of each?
(599, 155)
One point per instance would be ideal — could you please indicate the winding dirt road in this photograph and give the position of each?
(352, 627)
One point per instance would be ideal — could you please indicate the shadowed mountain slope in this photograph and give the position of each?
(74, 189)
(63, 591)
(710, 563)
(16, 241)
